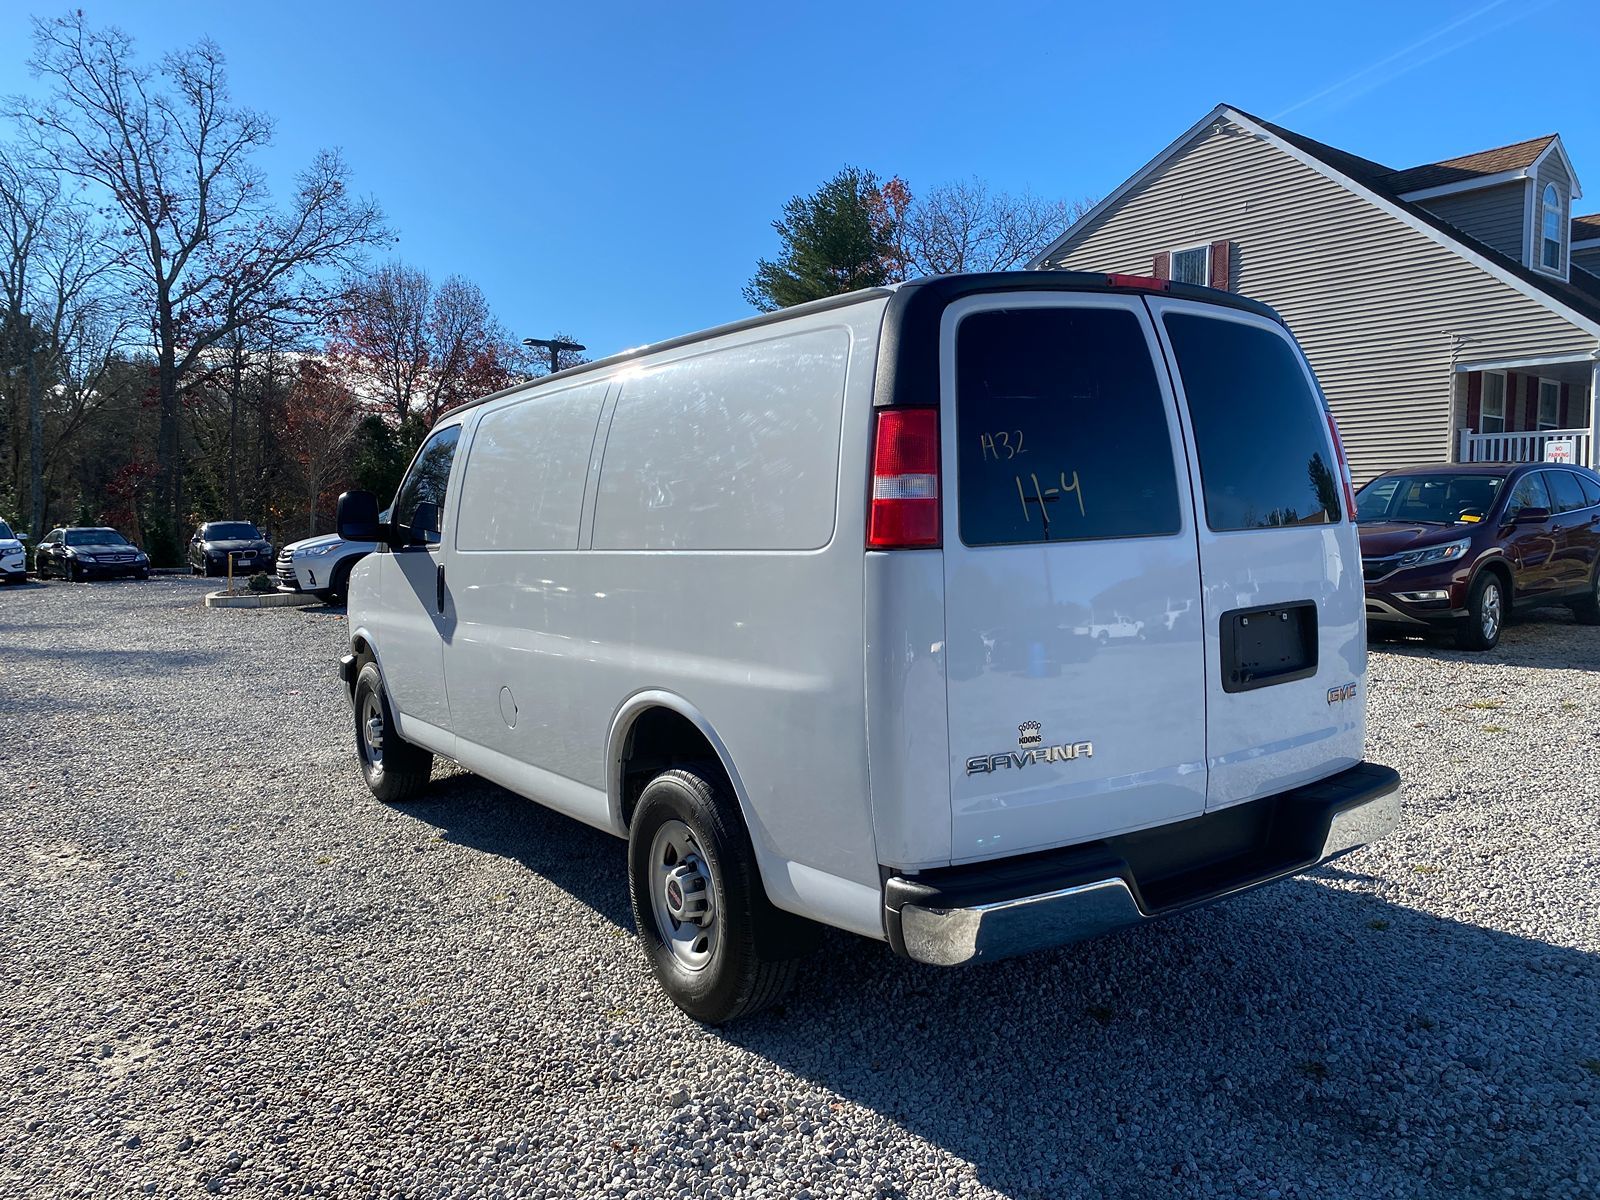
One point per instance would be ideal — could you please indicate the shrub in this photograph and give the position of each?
(261, 582)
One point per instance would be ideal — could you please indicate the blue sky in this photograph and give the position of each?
(612, 170)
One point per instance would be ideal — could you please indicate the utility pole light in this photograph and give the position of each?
(555, 346)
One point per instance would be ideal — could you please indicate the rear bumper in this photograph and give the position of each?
(1016, 906)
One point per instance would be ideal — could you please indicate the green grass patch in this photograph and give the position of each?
(1483, 704)
(1100, 1013)
(1314, 1069)
(1378, 923)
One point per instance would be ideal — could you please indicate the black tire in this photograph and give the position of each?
(754, 957)
(395, 770)
(338, 585)
(1487, 606)
(1586, 609)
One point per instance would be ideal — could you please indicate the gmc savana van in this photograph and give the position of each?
(976, 615)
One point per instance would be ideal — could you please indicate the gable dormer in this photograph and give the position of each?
(1511, 198)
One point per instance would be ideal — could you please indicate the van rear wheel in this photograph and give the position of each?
(394, 769)
(717, 946)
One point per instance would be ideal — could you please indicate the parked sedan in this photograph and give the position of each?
(1458, 547)
(89, 552)
(215, 541)
(13, 559)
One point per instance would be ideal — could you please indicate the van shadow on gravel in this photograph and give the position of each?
(589, 865)
(1319, 1037)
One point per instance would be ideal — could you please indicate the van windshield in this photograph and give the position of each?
(1428, 499)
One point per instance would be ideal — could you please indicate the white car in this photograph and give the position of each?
(13, 558)
(320, 565)
(733, 598)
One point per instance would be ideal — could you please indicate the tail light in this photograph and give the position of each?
(905, 480)
(1145, 283)
(1344, 466)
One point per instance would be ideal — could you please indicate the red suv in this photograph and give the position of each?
(1457, 546)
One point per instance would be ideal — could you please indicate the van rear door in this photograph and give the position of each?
(1074, 652)
(1283, 602)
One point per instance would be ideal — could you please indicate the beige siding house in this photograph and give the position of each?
(1443, 319)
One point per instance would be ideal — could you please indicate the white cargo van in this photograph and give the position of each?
(975, 616)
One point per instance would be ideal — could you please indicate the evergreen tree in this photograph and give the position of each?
(837, 240)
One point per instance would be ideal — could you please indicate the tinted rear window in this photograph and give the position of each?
(1591, 488)
(1258, 426)
(1565, 490)
(1062, 431)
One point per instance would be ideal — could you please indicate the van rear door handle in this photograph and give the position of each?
(439, 595)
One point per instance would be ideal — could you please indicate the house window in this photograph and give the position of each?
(1492, 415)
(1192, 265)
(1549, 404)
(1554, 219)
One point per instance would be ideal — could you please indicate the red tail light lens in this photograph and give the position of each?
(904, 513)
(1344, 466)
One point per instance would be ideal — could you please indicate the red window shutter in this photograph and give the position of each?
(1162, 269)
(1222, 266)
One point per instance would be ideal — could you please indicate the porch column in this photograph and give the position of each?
(1594, 412)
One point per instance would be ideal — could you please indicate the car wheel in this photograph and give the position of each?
(394, 769)
(1486, 614)
(339, 586)
(1586, 610)
(717, 946)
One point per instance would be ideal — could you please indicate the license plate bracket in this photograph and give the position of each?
(1274, 643)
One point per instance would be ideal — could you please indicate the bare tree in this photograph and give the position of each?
(60, 324)
(965, 226)
(414, 350)
(383, 336)
(173, 155)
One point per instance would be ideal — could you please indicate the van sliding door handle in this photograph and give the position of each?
(439, 595)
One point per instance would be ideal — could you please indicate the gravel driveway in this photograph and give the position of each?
(227, 968)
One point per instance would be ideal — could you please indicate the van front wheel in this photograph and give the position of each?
(718, 947)
(394, 769)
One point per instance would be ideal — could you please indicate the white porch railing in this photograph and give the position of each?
(1526, 446)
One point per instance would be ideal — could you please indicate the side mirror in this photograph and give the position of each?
(1533, 516)
(425, 523)
(22, 537)
(358, 518)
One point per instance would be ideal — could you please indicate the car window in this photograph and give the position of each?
(1565, 490)
(1529, 492)
(51, 538)
(95, 537)
(230, 531)
(1259, 428)
(5, 531)
(1061, 429)
(427, 482)
(1591, 488)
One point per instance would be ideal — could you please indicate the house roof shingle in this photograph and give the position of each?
(1586, 229)
(1581, 299)
(1514, 157)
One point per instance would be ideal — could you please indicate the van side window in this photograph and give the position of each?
(424, 486)
(1259, 428)
(736, 449)
(522, 488)
(1062, 432)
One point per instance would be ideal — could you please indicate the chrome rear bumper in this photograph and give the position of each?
(941, 917)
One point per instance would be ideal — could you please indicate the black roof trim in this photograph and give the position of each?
(908, 359)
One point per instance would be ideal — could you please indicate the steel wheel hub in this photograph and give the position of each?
(683, 895)
(372, 728)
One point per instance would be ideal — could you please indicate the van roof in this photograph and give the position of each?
(910, 301)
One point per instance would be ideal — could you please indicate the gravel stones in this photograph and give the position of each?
(226, 969)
